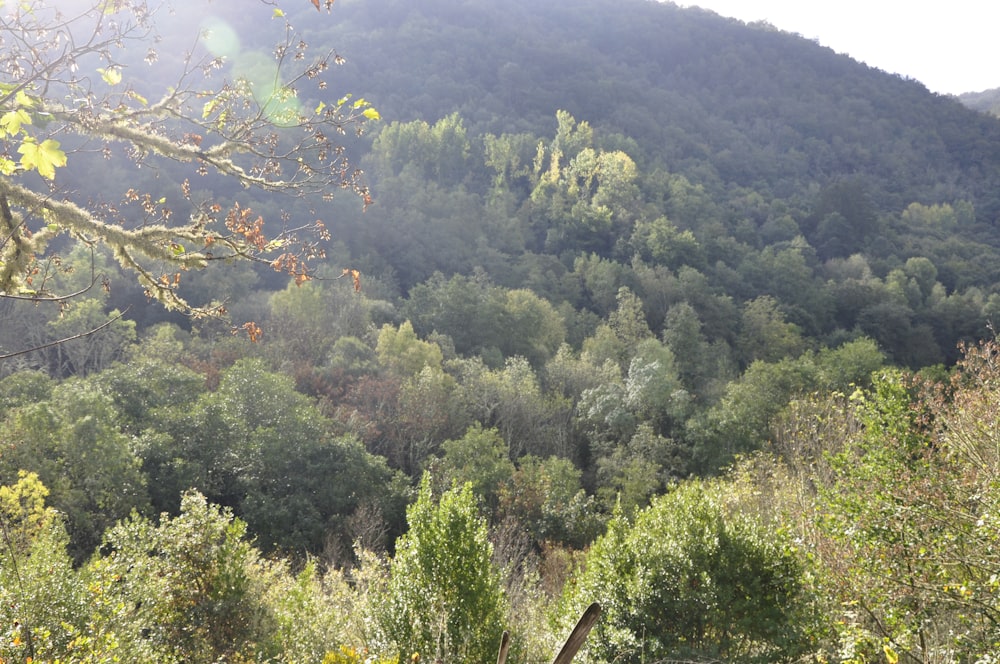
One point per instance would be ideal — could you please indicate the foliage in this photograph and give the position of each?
(546, 498)
(907, 538)
(480, 458)
(194, 583)
(445, 600)
(42, 601)
(89, 466)
(690, 579)
(258, 446)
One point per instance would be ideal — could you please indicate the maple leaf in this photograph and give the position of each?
(44, 157)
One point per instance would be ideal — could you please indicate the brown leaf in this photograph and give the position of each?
(355, 276)
(316, 3)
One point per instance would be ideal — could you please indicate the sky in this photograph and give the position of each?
(950, 46)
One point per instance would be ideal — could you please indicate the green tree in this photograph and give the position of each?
(440, 152)
(193, 584)
(470, 310)
(429, 412)
(262, 449)
(694, 358)
(547, 498)
(480, 458)
(445, 599)
(509, 156)
(511, 400)
(307, 320)
(400, 351)
(73, 441)
(662, 243)
(631, 473)
(153, 381)
(22, 388)
(535, 329)
(618, 339)
(691, 578)
(741, 422)
(43, 603)
(843, 218)
(765, 334)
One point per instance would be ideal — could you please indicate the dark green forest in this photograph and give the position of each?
(648, 307)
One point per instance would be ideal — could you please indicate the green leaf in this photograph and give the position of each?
(44, 157)
(7, 166)
(319, 109)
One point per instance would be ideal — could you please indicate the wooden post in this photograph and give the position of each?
(504, 647)
(578, 635)
(573, 643)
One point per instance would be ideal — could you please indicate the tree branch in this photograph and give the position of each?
(57, 342)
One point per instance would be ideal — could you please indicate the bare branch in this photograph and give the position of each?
(58, 342)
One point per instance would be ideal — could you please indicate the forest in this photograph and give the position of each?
(531, 307)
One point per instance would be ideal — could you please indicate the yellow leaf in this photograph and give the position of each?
(277, 13)
(371, 114)
(11, 121)
(111, 76)
(891, 655)
(23, 99)
(208, 108)
(44, 157)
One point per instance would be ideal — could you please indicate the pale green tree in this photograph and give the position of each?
(765, 334)
(402, 352)
(690, 579)
(445, 599)
(439, 152)
(43, 604)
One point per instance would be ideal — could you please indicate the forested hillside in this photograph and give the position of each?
(987, 101)
(634, 304)
(724, 103)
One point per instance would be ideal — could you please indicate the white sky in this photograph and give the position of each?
(951, 46)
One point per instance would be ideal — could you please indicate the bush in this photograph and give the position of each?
(690, 579)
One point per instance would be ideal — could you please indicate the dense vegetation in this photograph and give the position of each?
(652, 308)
